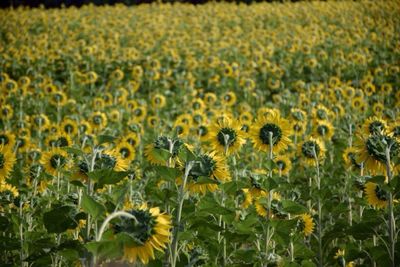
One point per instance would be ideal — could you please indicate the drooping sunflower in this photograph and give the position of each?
(376, 196)
(371, 150)
(261, 204)
(321, 112)
(275, 125)
(54, 160)
(307, 149)
(245, 198)
(228, 99)
(209, 165)
(132, 138)
(374, 125)
(349, 157)
(284, 164)
(150, 231)
(305, 224)
(7, 160)
(226, 135)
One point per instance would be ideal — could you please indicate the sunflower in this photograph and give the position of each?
(376, 196)
(349, 157)
(305, 224)
(40, 121)
(69, 127)
(7, 160)
(7, 139)
(58, 140)
(54, 160)
(139, 113)
(245, 198)
(207, 165)
(8, 190)
(198, 105)
(374, 125)
(262, 207)
(210, 98)
(150, 230)
(298, 115)
(108, 159)
(126, 150)
(395, 129)
(284, 165)
(203, 132)
(158, 101)
(58, 98)
(226, 135)
(371, 151)
(132, 138)
(6, 112)
(84, 127)
(228, 99)
(98, 120)
(320, 112)
(275, 125)
(307, 148)
(324, 129)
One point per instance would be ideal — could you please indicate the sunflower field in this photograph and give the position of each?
(201, 135)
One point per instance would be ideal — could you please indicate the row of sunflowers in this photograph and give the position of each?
(211, 135)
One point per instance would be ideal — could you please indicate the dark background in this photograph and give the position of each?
(58, 3)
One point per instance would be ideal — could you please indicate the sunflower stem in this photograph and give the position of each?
(112, 216)
(391, 221)
(182, 192)
(320, 262)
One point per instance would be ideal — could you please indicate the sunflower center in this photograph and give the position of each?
(308, 149)
(97, 119)
(321, 114)
(57, 161)
(131, 141)
(270, 128)
(139, 231)
(380, 193)
(322, 130)
(281, 165)
(202, 131)
(204, 166)
(69, 128)
(375, 127)
(226, 136)
(376, 147)
(4, 140)
(125, 152)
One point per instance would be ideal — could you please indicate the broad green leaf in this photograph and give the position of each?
(293, 207)
(169, 174)
(59, 219)
(91, 206)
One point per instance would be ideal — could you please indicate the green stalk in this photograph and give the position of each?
(182, 193)
(391, 221)
(320, 261)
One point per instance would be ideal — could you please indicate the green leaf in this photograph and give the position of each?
(185, 154)
(75, 151)
(379, 179)
(105, 249)
(245, 255)
(91, 206)
(169, 174)
(106, 176)
(293, 207)
(270, 165)
(101, 139)
(206, 180)
(77, 183)
(59, 220)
